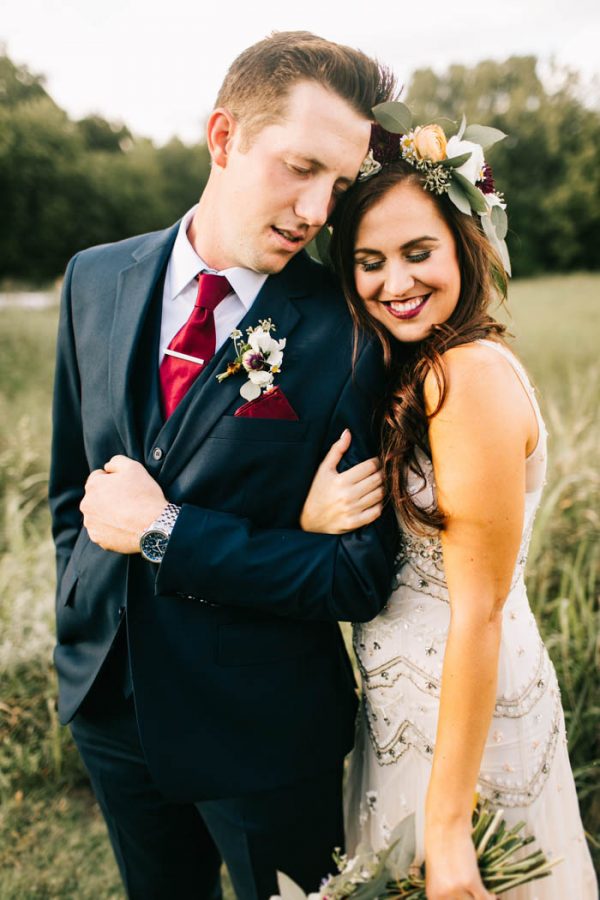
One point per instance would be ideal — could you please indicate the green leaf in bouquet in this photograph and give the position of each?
(474, 195)
(454, 162)
(489, 832)
(461, 128)
(483, 135)
(500, 222)
(375, 888)
(288, 889)
(459, 198)
(401, 853)
(499, 849)
(395, 117)
(481, 819)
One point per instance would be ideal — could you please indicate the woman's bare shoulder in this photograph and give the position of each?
(475, 374)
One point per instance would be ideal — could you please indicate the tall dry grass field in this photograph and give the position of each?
(52, 841)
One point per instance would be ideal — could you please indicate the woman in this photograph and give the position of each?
(459, 692)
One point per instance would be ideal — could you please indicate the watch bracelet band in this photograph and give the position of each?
(166, 520)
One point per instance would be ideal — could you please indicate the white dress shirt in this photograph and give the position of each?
(181, 288)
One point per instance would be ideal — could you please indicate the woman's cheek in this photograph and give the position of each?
(364, 284)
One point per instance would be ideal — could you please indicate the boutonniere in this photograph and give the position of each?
(259, 355)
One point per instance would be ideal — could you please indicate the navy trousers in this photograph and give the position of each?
(172, 851)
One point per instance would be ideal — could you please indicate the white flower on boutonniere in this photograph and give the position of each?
(260, 355)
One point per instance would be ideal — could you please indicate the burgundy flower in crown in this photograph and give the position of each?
(384, 144)
(486, 184)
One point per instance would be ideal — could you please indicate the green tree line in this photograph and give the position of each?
(66, 184)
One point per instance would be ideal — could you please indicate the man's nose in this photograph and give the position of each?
(314, 203)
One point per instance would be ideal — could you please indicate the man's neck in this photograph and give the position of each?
(204, 233)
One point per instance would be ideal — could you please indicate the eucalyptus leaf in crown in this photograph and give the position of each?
(454, 166)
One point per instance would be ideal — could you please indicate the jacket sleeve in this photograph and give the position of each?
(223, 559)
(68, 466)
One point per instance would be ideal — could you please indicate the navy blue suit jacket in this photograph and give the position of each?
(255, 690)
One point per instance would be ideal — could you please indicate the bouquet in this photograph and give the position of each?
(390, 873)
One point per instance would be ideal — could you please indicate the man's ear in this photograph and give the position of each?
(220, 129)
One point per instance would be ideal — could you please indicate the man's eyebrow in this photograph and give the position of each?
(407, 246)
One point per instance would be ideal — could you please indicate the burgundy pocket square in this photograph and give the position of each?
(270, 405)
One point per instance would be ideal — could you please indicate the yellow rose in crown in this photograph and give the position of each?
(429, 143)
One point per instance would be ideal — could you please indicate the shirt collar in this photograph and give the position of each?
(185, 264)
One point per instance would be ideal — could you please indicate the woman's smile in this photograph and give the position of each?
(406, 309)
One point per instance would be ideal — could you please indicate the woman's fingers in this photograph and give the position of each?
(365, 487)
(360, 471)
(350, 521)
(337, 450)
(369, 515)
(372, 498)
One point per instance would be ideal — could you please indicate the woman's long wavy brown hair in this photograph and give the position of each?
(403, 415)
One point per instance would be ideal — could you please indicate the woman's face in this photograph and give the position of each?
(405, 265)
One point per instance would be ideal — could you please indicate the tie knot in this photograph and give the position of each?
(211, 290)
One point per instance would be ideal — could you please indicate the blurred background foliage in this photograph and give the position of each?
(69, 184)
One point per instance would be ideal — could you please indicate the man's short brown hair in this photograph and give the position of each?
(258, 81)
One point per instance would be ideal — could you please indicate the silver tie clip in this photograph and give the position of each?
(186, 356)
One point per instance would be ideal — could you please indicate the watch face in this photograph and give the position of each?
(153, 545)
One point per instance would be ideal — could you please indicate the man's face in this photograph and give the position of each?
(276, 193)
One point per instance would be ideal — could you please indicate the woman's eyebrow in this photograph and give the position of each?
(420, 240)
(407, 246)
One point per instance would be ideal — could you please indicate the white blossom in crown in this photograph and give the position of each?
(472, 168)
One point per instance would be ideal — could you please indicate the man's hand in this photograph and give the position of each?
(119, 503)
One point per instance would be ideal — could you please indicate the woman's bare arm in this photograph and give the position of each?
(479, 441)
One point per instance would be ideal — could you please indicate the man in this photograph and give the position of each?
(205, 679)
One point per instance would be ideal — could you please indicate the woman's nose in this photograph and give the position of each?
(399, 279)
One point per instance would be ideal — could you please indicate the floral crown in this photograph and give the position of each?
(454, 166)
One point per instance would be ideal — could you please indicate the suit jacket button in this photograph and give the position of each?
(157, 454)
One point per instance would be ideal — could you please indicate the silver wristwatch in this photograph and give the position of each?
(154, 540)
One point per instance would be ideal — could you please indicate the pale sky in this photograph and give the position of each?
(156, 65)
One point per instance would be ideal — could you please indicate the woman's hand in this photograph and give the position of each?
(451, 870)
(343, 501)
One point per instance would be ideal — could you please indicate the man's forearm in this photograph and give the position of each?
(223, 559)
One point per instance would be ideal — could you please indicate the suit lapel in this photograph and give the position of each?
(208, 399)
(135, 290)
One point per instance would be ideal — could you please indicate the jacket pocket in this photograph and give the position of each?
(242, 428)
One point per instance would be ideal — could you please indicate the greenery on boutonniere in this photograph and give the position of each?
(259, 355)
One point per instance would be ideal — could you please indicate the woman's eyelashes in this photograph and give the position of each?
(419, 257)
(370, 266)
(376, 264)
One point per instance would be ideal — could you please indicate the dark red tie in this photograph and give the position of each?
(194, 344)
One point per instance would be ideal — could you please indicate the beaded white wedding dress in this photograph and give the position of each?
(525, 768)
